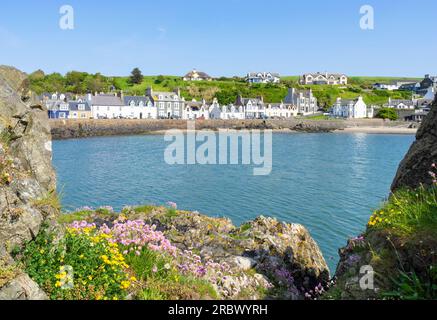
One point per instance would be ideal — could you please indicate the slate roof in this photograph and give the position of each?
(136, 99)
(74, 105)
(106, 100)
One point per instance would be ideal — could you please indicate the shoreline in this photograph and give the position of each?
(75, 129)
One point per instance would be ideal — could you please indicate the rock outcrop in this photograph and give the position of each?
(414, 168)
(281, 258)
(27, 179)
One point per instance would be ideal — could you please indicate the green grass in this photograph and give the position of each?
(408, 212)
(164, 282)
(66, 218)
(144, 209)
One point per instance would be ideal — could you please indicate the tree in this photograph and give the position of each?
(387, 113)
(136, 76)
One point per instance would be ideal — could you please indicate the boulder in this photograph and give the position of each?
(414, 168)
(22, 288)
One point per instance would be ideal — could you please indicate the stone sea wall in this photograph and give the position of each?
(67, 129)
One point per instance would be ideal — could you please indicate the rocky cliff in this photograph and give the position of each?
(398, 249)
(27, 179)
(414, 168)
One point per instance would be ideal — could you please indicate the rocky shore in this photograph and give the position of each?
(67, 129)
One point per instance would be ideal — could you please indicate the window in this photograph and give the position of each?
(81, 107)
(161, 105)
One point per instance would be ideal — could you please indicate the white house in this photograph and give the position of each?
(226, 112)
(324, 78)
(401, 104)
(280, 110)
(351, 109)
(254, 108)
(385, 86)
(263, 77)
(138, 107)
(232, 112)
(106, 106)
(195, 110)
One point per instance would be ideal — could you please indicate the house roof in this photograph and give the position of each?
(136, 99)
(393, 102)
(262, 74)
(197, 74)
(164, 95)
(106, 100)
(74, 105)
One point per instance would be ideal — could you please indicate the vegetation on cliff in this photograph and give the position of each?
(400, 244)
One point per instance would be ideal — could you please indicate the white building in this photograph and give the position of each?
(303, 100)
(401, 104)
(254, 108)
(195, 110)
(384, 86)
(281, 110)
(351, 109)
(324, 78)
(226, 112)
(106, 106)
(138, 107)
(263, 77)
(232, 112)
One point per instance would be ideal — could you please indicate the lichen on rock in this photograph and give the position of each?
(26, 173)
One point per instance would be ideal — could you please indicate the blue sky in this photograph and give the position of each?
(221, 37)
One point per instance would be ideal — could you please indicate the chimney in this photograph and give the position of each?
(178, 92)
(149, 91)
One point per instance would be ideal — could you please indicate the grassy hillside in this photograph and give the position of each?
(224, 89)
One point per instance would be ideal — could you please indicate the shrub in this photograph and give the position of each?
(99, 269)
(387, 113)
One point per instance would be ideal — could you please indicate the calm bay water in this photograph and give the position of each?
(328, 182)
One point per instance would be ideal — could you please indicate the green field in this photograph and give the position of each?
(225, 90)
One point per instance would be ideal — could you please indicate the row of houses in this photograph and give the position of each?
(171, 105)
(417, 87)
(273, 77)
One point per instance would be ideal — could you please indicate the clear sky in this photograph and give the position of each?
(221, 37)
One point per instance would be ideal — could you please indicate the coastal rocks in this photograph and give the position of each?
(27, 179)
(244, 263)
(22, 288)
(414, 168)
(269, 258)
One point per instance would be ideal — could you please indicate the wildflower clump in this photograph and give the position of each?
(83, 265)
